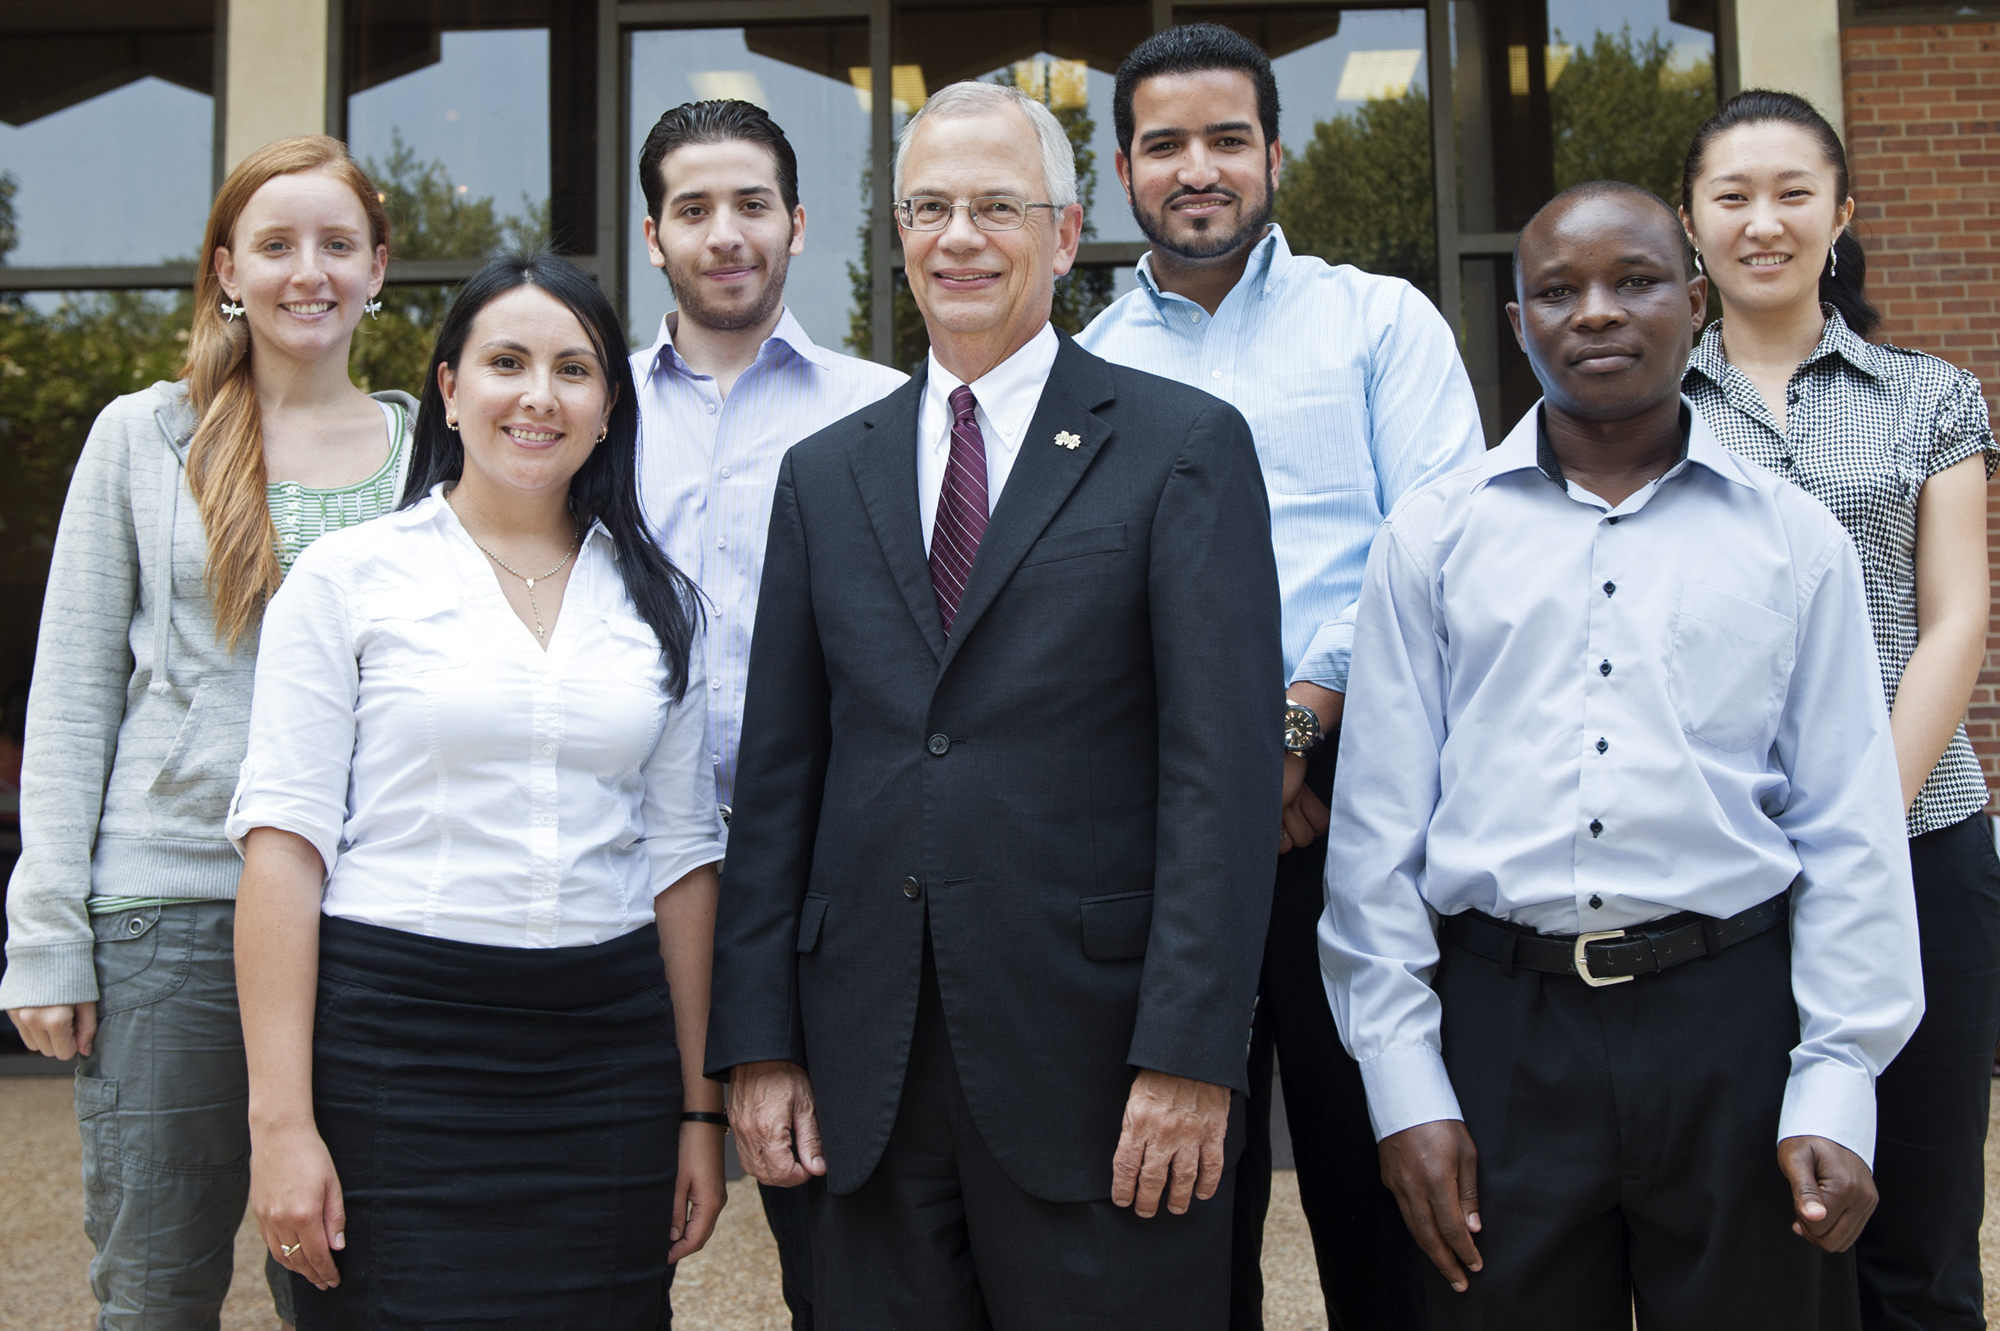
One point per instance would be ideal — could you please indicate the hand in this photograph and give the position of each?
(777, 1131)
(699, 1193)
(1833, 1192)
(295, 1196)
(57, 1032)
(1174, 1128)
(1302, 815)
(1433, 1169)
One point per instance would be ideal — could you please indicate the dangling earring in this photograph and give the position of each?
(451, 425)
(231, 312)
(1833, 262)
(373, 307)
(1697, 262)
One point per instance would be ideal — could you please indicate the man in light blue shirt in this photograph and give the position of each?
(1623, 904)
(731, 384)
(1354, 390)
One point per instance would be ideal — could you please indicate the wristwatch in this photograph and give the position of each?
(1302, 734)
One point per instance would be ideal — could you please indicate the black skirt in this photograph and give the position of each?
(505, 1123)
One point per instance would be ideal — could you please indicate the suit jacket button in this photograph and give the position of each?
(912, 888)
(939, 743)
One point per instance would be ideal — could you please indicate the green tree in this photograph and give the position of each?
(58, 369)
(1078, 296)
(1623, 111)
(1360, 191)
(428, 219)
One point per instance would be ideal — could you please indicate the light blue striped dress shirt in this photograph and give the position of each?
(1354, 390)
(707, 468)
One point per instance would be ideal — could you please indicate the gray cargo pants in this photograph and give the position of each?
(162, 1102)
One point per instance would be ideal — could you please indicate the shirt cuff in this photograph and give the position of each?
(1406, 1086)
(1325, 662)
(1828, 1099)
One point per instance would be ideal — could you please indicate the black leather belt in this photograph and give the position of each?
(1614, 955)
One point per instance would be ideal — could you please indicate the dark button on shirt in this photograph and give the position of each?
(912, 888)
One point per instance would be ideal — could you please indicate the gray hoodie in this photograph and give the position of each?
(138, 713)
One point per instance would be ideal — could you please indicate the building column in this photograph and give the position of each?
(1792, 46)
(276, 73)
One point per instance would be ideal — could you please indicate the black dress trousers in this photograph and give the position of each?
(1370, 1269)
(1628, 1147)
(1918, 1258)
(940, 1239)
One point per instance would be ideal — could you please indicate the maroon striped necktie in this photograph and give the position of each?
(961, 510)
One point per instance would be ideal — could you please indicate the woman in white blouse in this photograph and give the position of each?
(476, 816)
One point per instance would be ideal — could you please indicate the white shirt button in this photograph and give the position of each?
(721, 542)
(711, 408)
(548, 748)
(715, 758)
(1215, 374)
(725, 473)
(1195, 317)
(715, 683)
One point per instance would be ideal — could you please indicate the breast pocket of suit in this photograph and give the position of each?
(1116, 927)
(1312, 431)
(1065, 547)
(1729, 661)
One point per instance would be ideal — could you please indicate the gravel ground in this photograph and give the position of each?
(731, 1286)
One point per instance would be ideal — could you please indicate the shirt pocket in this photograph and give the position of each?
(412, 630)
(1313, 436)
(1729, 663)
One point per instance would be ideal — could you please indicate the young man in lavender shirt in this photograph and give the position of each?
(731, 384)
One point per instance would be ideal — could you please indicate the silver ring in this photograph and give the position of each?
(287, 1249)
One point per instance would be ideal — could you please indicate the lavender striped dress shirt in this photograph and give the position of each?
(707, 468)
(1355, 393)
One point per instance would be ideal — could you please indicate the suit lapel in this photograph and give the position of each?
(1042, 478)
(884, 463)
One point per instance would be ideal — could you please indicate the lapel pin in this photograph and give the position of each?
(1064, 439)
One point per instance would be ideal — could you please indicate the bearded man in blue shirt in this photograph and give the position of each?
(1355, 393)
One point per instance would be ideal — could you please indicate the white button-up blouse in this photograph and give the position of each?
(458, 781)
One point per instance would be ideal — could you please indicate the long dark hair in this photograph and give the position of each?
(1844, 288)
(606, 488)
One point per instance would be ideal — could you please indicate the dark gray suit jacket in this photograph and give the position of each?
(1079, 788)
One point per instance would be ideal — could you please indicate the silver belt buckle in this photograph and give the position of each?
(1583, 966)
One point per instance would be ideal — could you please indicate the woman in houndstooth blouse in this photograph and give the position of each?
(1898, 445)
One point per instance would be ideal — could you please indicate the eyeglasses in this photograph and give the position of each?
(991, 212)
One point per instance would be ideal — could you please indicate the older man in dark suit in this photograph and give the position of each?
(991, 928)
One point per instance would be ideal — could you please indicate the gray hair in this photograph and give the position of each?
(973, 98)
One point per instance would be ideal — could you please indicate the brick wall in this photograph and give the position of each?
(1923, 143)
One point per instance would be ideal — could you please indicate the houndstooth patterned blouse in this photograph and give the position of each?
(1866, 426)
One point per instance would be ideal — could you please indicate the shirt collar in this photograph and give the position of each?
(788, 335)
(1526, 449)
(1009, 392)
(434, 508)
(1267, 262)
(1836, 339)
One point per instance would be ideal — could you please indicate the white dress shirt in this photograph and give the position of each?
(1005, 399)
(1354, 392)
(457, 780)
(1578, 718)
(707, 467)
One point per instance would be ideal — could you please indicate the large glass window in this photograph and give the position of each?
(1550, 93)
(107, 158)
(814, 80)
(107, 131)
(476, 121)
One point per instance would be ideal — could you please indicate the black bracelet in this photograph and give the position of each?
(700, 1116)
